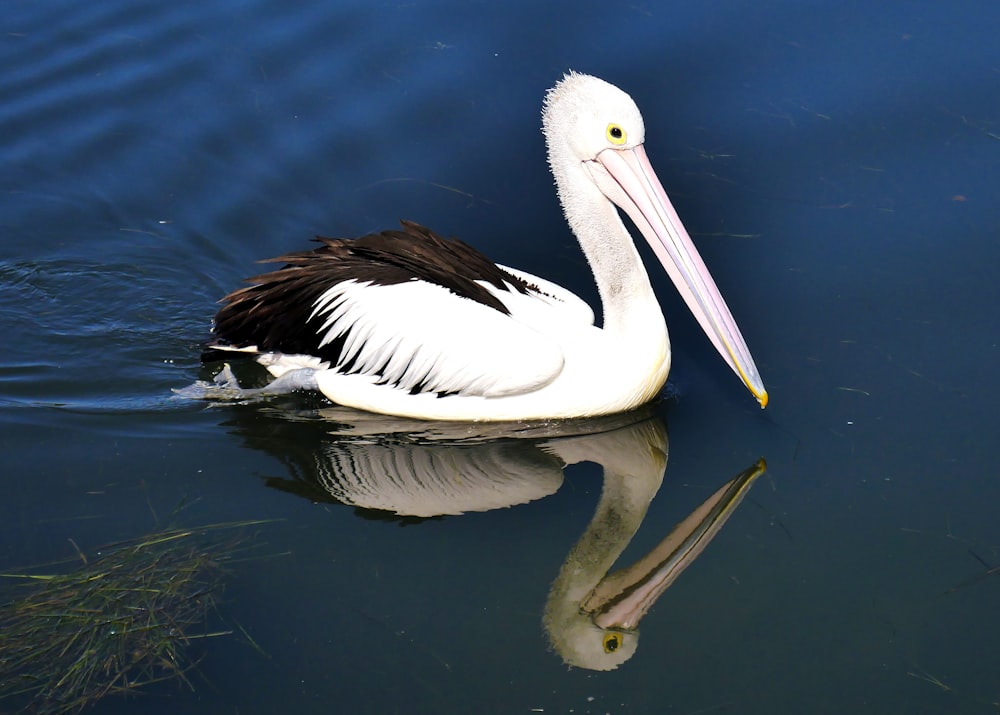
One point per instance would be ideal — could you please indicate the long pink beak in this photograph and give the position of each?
(624, 597)
(646, 203)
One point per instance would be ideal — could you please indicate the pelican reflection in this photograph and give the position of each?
(423, 469)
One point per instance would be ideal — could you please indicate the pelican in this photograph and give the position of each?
(411, 324)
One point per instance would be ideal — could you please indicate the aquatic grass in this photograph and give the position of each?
(117, 622)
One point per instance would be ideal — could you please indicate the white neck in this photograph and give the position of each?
(627, 297)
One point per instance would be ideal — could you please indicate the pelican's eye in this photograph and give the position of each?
(616, 135)
(612, 641)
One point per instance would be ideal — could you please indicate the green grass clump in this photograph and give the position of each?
(117, 622)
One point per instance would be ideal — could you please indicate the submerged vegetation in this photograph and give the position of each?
(119, 621)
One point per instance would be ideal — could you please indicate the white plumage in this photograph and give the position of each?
(491, 360)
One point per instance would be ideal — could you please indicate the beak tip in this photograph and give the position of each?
(762, 399)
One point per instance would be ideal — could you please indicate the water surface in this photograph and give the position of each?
(838, 166)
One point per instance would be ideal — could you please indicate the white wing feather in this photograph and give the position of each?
(570, 306)
(419, 335)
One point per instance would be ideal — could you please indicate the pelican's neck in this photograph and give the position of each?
(634, 459)
(626, 494)
(627, 297)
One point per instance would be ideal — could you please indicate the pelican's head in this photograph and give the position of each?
(594, 134)
(584, 115)
(583, 644)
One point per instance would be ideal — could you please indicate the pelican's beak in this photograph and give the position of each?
(640, 195)
(622, 598)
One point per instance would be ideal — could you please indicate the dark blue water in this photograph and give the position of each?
(839, 167)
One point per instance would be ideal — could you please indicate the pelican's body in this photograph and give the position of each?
(411, 324)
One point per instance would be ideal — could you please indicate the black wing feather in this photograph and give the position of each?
(273, 312)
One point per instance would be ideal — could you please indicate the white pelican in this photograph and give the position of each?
(408, 323)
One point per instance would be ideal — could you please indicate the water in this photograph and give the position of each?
(838, 166)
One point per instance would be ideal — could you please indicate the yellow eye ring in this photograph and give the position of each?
(615, 134)
(612, 641)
